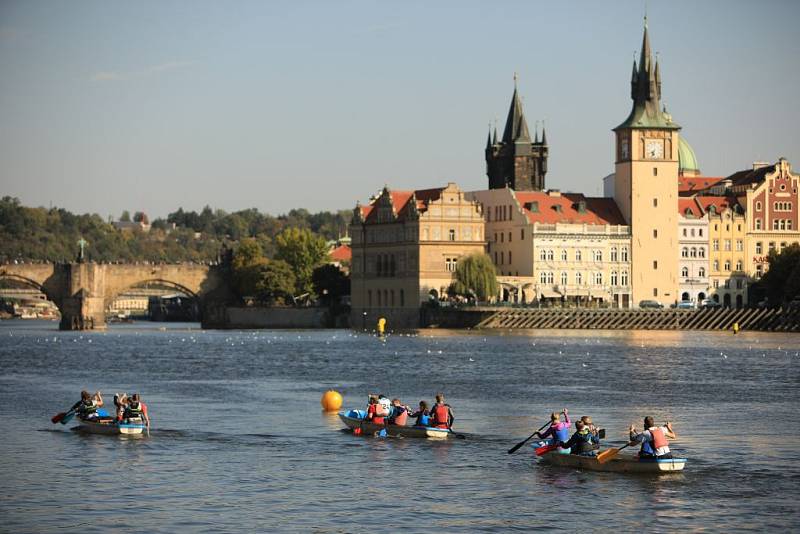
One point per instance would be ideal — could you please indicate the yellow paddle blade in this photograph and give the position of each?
(607, 455)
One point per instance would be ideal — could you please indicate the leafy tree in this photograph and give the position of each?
(782, 281)
(330, 283)
(303, 251)
(141, 217)
(125, 217)
(475, 276)
(277, 282)
(248, 260)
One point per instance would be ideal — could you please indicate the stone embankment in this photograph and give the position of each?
(772, 320)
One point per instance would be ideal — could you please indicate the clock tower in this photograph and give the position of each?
(646, 184)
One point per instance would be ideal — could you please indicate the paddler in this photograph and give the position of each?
(653, 439)
(558, 430)
(86, 408)
(423, 415)
(399, 414)
(583, 442)
(441, 413)
(137, 410)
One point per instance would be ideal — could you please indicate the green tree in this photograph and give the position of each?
(330, 283)
(277, 282)
(782, 281)
(125, 217)
(248, 260)
(475, 276)
(303, 251)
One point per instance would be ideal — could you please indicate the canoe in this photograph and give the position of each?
(109, 426)
(618, 464)
(354, 419)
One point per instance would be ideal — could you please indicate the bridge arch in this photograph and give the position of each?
(24, 280)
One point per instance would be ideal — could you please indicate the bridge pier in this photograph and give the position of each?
(82, 312)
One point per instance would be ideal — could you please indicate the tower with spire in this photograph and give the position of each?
(646, 183)
(516, 160)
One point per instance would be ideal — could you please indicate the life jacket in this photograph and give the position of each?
(441, 416)
(423, 420)
(561, 432)
(401, 418)
(134, 410)
(87, 408)
(379, 414)
(585, 443)
(659, 439)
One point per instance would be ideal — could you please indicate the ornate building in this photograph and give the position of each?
(405, 246)
(516, 161)
(646, 184)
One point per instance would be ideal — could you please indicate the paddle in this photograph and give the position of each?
(513, 449)
(608, 454)
(62, 417)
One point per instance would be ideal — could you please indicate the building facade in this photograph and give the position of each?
(405, 246)
(516, 160)
(693, 243)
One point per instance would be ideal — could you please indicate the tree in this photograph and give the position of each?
(248, 260)
(303, 251)
(330, 283)
(125, 217)
(277, 282)
(141, 217)
(782, 281)
(476, 277)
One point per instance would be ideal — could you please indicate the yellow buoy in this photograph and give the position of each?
(381, 325)
(331, 400)
(735, 328)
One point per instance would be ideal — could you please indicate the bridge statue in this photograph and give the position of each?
(83, 291)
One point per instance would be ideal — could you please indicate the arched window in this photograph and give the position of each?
(614, 278)
(563, 278)
(727, 265)
(739, 265)
(684, 252)
(598, 279)
(543, 277)
(624, 253)
(578, 255)
(685, 273)
(563, 255)
(758, 224)
(543, 254)
(701, 272)
(701, 252)
(613, 253)
(578, 278)
(623, 278)
(550, 255)
(693, 252)
(716, 265)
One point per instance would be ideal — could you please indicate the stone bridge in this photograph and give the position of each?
(83, 291)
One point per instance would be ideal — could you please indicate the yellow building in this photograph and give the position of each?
(645, 184)
(557, 248)
(405, 247)
(726, 245)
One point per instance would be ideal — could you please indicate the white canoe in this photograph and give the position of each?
(108, 426)
(618, 464)
(397, 431)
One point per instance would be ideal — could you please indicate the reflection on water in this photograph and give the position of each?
(239, 441)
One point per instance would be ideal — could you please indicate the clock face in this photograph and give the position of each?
(654, 149)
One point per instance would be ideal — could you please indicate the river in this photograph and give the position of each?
(239, 442)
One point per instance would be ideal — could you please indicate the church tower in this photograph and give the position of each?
(646, 184)
(516, 161)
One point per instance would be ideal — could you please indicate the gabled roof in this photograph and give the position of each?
(688, 207)
(401, 202)
(690, 185)
(750, 176)
(341, 253)
(718, 202)
(571, 208)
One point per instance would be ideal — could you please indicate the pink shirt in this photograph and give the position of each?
(551, 432)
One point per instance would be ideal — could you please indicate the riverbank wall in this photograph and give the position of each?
(253, 317)
(757, 319)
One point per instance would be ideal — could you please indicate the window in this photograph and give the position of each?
(522, 234)
(789, 224)
(509, 237)
(739, 245)
(700, 232)
(739, 284)
(701, 252)
(614, 278)
(563, 278)
(715, 244)
(624, 253)
(739, 265)
(694, 252)
(450, 264)
(715, 283)
(578, 278)
(758, 206)
(684, 252)
(758, 224)
(655, 202)
(549, 255)
(392, 295)
(692, 232)
(502, 237)
(577, 255)
(543, 254)
(727, 284)
(613, 253)
(543, 277)
(759, 271)
(655, 291)
(684, 232)
(774, 224)
(738, 227)
(502, 256)
(685, 272)
(402, 298)
(727, 244)
(378, 292)
(655, 171)
(598, 255)
(727, 265)
(495, 257)
(759, 248)
(549, 277)
(716, 265)
(623, 278)
(598, 279)
(655, 265)
(701, 272)
(655, 233)
(771, 247)
(563, 255)
(509, 256)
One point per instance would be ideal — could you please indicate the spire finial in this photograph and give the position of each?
(516, 77)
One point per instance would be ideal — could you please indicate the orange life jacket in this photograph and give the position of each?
(378, 413)
(441, 416)
(659, 439)
(401, 419)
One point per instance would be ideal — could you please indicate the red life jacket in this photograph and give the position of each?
(441, 416)
(659, 439)
(378, 414)
(401, 419)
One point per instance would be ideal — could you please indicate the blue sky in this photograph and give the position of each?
(152, 105)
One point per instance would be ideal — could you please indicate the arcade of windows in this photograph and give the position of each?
(597, 255)
(693, 252)
(617, 279)
(385, 298)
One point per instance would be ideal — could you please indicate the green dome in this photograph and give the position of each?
(687, 161)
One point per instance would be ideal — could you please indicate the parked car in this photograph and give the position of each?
(650, 304)
(686, 305)
(710, 303)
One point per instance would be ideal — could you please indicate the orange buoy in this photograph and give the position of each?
(331, 400)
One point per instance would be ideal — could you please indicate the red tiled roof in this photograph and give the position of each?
(341, 253)
(689, 206)
(695, 184)
(720, 203)
(400, 201)
(565, 208)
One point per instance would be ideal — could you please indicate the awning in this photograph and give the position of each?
(549, 294)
